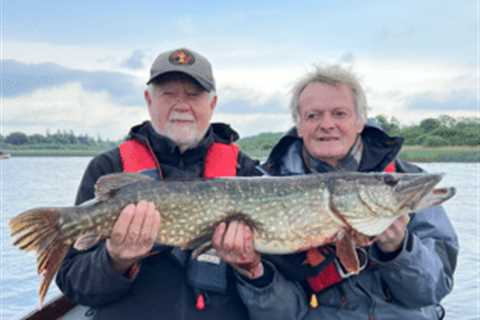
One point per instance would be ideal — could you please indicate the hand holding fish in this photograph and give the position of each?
(133, 235)
(392, 238)
(234, 244)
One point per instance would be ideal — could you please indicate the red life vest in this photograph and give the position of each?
(220, 161)
(330, 275)
(136, 157)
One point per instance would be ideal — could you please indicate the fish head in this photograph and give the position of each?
(417, 191)
(387, 194)
(369, 203)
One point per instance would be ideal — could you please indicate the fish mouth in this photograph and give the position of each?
(411, 189)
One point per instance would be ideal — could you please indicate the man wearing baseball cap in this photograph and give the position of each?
(128, 276)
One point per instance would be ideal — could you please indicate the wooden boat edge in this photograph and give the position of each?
(54, 309)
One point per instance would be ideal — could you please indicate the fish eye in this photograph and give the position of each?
(390, 180)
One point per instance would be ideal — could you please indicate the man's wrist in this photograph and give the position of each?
(253, 272)
(122, 267)
(389, 247)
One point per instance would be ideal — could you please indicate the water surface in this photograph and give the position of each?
(32, 182)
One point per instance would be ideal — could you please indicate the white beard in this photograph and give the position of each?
(184, 136)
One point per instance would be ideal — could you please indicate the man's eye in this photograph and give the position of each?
(193, 94)
(339, 114)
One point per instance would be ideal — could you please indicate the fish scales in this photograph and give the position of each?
(288, 214)
(188, 208)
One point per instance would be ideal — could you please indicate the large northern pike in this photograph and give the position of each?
(288, 214)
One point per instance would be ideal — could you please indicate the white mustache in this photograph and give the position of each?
(181, 116)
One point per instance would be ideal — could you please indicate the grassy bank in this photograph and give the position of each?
(64, 152)
(411, 153)
(414, 154)
(441, 154)
(54, 153)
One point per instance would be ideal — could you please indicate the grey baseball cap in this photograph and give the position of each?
(185, 61)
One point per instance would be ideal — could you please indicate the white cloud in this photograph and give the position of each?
(251, 124)
(84, 57)
(81, 56)
(389, 84)
(266, 81)
(69, 107)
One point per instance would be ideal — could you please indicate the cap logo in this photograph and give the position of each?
(181, 57)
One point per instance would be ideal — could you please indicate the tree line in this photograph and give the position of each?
(431, 132)
(60, 139)
(435, 132)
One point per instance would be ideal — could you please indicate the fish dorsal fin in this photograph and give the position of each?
(110, 183)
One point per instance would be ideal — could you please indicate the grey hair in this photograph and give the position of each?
(332, 75)
(151, 88)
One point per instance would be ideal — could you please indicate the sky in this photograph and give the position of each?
(82, 66)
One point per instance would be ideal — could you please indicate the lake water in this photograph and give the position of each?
(33, 182)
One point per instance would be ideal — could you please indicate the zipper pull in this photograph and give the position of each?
(200, 304)
(313, 301)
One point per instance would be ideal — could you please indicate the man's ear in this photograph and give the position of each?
(148, 98)
(213, 102)
(359, 125)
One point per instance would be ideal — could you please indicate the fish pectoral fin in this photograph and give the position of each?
(204, 247)
(203, 242)
(346, 253)
(108, 184)
(86, 241)
(200, 244)
(372, 226)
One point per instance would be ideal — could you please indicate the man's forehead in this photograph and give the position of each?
(327, 89)
(323, 95)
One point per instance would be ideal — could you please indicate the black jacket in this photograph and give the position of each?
(162, 289)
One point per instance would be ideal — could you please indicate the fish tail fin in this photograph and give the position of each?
(39, 230)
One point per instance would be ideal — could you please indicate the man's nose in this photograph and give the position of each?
(181, 105)
(326, 122)
(184, 96)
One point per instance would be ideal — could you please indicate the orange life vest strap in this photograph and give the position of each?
(136, 156)
(220, 161)
(390, 168)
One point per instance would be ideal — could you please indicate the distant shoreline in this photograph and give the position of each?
(465, 154)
